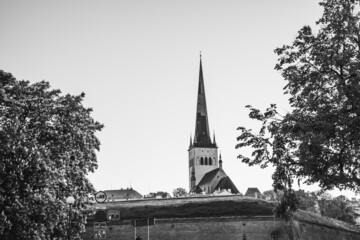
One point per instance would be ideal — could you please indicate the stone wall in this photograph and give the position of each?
(258, 228)
(311, 231)
(214, 218)
(310, 226)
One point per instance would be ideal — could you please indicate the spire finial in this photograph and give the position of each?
(200, 54)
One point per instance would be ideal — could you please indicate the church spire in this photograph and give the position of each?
(202, 134)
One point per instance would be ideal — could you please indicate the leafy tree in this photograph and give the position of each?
(163, 194)
(338, 209)
(179, 192)
(271, 195)
(47, 147)
(324, 195)
(160, 194)
(319, 140)
(307, 201)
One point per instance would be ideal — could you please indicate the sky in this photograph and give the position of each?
(138, 63)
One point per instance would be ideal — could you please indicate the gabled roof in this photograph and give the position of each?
(209, 176)
(127, 193)
(196, 189)
(250, 192)
(226, 183)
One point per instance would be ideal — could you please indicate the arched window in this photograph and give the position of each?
(202, 161)
(206, 162)
(210, 161)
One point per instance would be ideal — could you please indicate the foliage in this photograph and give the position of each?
(272, 195)
(47, 147)
(159, 194)
(338, 209)
(307, 201)
(319, 140)
(179, 192)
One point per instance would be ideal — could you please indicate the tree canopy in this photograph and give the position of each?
(339, 208)
(161, 194)
(47, 147)
(179, 192)
(318, 140)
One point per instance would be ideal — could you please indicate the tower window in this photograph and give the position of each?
(210, 161)
(206, 161)
(202, 161)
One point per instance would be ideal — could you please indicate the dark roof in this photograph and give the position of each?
(127, 193)
(202, 133)
(251, 192)
(226, 183)
(209, 176)
(196, 189)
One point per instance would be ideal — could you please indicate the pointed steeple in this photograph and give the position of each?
(202, 134)
(214, 141)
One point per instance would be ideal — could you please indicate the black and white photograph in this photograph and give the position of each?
(186, 120)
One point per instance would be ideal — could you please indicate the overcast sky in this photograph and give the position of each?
(138, 63)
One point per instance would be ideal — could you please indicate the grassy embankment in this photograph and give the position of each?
(193, 207)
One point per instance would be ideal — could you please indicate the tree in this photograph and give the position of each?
(318, 140)
(47, 147)
(338, 209)
(163, 194)
(308, 201)
(160, 194)
(270, 195)
(179, 192)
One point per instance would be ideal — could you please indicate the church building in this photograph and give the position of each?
(205, 167)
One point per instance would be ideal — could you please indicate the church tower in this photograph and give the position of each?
(203, 155)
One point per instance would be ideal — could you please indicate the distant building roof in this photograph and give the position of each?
(122, 194)
(251, 192)
(226, 183)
